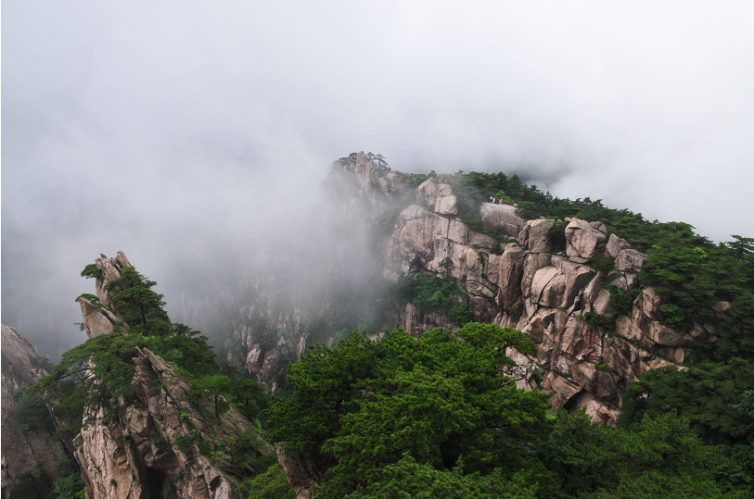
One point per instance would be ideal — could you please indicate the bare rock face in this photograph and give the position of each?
(630, 260)
(376, 183)
(503, 216)
(23, 451)
(139, 453)
(417, 323)
(583, 240)
(615, 245)
(149, 448)
(446, 205)
(536, 235)
(111, 268)
(98, 320)
(431, 191)
(546, 296)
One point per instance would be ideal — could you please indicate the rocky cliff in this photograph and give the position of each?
(162, 441)
(24, 449)
(508, 271)
(150, 450)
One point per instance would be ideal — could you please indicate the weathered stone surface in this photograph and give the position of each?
(117, 456)
(583, 240)
(534, 262)
(98, 320)
(557, 286)
(581, 340)
(22, 453)
(536, 239)
(300, 470)
(417, 323)
(446, 205)
(427, 192)
(615, 245)
(526, 287)
(110, 268)
(630, 260)
(503, 216)
(599, 226)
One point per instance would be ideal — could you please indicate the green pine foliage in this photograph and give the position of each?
(99, 372)
(365, 404)
(432, 417)
(272, 484)
(430, 293)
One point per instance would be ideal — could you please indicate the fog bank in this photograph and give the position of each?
(187, 134)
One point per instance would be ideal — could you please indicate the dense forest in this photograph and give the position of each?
(399, 417)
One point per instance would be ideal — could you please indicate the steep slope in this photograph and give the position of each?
(506, 271)
(146, 432)
(25, 449)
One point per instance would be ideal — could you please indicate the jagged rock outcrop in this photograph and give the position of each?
(98, 318)
(23, 451)
(300, 470)
(515, 279)
(155, 446)
(543, 294)
(139, 454)
(584, 239)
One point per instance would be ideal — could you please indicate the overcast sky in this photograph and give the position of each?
(181, 132)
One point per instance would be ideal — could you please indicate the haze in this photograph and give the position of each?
(189, 133)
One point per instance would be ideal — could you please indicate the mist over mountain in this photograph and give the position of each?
(189, 135)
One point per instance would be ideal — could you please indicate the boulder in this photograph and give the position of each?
(615, 245)
(583, 240)
(446, 205)
(536, 232)
(630, 260)
(503, 216)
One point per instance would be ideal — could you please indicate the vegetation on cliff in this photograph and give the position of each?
(99, 374)
(400, 417)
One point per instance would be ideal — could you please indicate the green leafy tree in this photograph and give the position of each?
(702, 393)
(272, 484)
(440, 399)
(214, 386)
(99, 372)
(136, 302)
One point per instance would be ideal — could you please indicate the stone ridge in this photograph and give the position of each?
(520, 283)
(136, 453)
(120, 459)
(542, 293)
(99, 319)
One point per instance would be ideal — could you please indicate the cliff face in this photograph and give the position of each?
(545, 294)
(98, 318)
(23, 450)
(165, 443)
(522, 283)
(140, 454)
